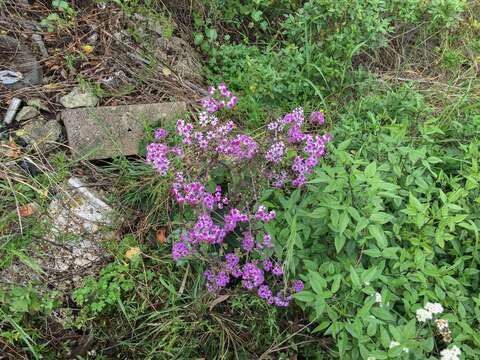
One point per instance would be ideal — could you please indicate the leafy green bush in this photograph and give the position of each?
(389, 223)
(315, 50)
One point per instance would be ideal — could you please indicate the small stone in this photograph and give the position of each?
(109, 131)
(38, 103)
(27, 113)
(77, 98)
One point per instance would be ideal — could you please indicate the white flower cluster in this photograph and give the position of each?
(428, 311)
(450, 354)
(378, 298)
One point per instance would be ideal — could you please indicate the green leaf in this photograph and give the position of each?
(317, 282)
(382, 314)
(339, 242)
(377, 232)
(343, 222)
(337, 280)
(381, 217)
(354, 277)
(370, 170)
(305, 296)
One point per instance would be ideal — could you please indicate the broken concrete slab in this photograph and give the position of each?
(79, 221)
(105, 132)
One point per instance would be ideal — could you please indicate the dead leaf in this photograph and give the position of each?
(218, 300)
(28, 210)
(12, 149)
(133, 251)
(161, 238)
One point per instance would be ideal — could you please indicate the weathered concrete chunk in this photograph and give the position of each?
(27, 112)
(40, 133)
(38, 103)
(105, 132)
(78, 98)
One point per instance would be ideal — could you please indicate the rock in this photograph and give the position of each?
(109, 131)
(38, 103)
(78, 98)
(37, 38)
(79, 220)
(40, 134)
(27, 113)
(17, 57)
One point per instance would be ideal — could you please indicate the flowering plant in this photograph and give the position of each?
(227, 228)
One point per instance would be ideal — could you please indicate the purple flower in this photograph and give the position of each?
(160, 133)
(267, 241)
(157, 156)
(180, 250)
(295, 134)
(276, 152)
(279, 180)
(277, 270)
(317, 118)
(267, 265)
(232, 218)
(232, 260)
(298, 285)
(281, 301)
(222, 279)
(265, 293)
(206, 231)
(240, 147)
(232, 102)
(248, 243)
(263, 215)
(252, 276)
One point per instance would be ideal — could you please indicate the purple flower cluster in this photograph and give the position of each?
(224, 231)
(157, 155)
(276, 152)
(160, 133)
(240, 147)
(263, 215)
(317, 118)
(194, 193)
(204, 231)
(233, 218)
(227, 99)
(180, 250)
(253, 276)
(216, 281)
(314, 147)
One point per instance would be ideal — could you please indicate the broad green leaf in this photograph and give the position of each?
(377, 232)
(371, 170)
